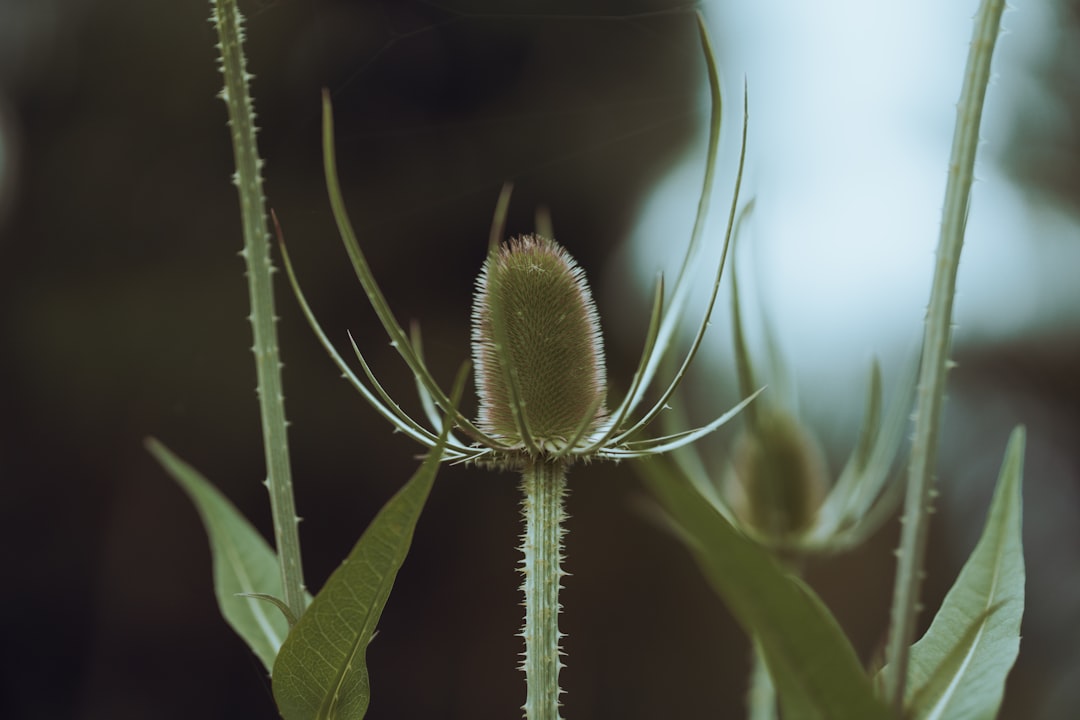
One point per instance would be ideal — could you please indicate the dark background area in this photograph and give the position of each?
(122, 316)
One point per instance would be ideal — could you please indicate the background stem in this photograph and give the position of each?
(935, 354)
(544, 487)
(761, 700)
(256, 254)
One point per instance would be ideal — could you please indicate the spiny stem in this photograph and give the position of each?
(935, 356)
(544, 487)
(256, 253)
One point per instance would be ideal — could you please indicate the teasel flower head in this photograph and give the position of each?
(538, 353)
(775, 485)
(777, 489)
(777, 479)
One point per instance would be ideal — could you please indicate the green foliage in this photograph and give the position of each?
(958, 668)
(863, 496)
(816, 671)
(321, 671)
(244, 564)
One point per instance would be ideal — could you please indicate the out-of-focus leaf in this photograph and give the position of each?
(957, 670)
(244, 563)
(815, 669)
(321, 670)
(866, 494)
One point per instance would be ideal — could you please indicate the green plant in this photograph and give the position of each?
(540, 375)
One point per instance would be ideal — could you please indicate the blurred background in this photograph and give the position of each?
(122, 316)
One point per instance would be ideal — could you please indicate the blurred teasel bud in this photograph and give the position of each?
(777, 480)
(777, 487)
(537, 349)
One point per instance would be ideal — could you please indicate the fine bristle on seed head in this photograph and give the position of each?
(534, 296)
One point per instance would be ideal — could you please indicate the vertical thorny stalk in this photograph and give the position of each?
(544, 487)
(935, 355)
(256, 253)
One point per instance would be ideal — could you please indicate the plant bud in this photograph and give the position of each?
(778, 478)
(533, 297)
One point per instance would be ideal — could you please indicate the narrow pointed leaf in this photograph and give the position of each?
(815, 669)
(399, 340)
(321, 670)
(681, 289)
(744, 366)
(958, 668)
(245, 566)
(866, 493)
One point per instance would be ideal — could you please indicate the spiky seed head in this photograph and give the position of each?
(533, 296)
(778, 478)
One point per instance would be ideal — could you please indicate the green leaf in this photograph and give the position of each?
(815, 669)
(958, 669)
(245, 566)
(321, 671)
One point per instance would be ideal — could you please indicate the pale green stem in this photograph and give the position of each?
(762, 697)
(935, 355)
(761, 700)
(256, 253)
(544, 487)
